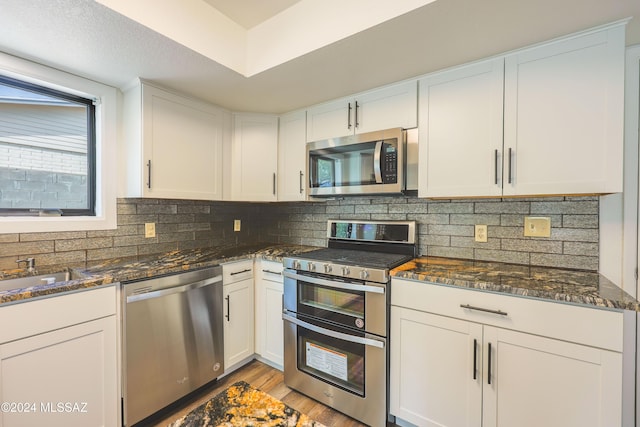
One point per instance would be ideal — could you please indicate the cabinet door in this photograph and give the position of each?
(435, 377)
(182, 139)
(460, 149)
(254, 161)
(330, 120)
(238, 322)
(269, 326)
(292, 157)
(385, 108)
(538, 381)
(564, 116)
(66, 377)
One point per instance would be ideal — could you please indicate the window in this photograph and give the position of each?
(47, 151)
(102, 164)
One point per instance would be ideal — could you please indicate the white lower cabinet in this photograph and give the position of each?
(463, 370)
(238, 312)
(66, 373)
(269, 326)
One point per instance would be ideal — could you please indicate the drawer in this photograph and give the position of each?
(236, 271)
(580, 324)
(269, 270)
(47, 314)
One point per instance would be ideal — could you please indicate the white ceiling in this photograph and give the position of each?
(249, 13)
(86, 38)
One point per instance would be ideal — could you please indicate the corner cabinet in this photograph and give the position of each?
(269, 325)
(384, 108)
(461, 357)
(560, 133)
(238, 329)
(173, 145)
(292, 158)
(59, 361)
(254, 157)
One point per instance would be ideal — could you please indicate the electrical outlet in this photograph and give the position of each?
(236, 225)
(150, 229)
(537, 226)
(481, 233)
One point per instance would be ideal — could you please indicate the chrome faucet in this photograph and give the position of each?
(31, 264)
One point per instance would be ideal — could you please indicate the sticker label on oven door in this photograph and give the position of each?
(328, 361)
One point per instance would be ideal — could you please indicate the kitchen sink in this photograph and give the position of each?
(25, 282)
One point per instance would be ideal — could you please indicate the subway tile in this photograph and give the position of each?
(509, 207)
(581, 248)
(430, 218)
(565, 261)
(488, 219)
(450, 252)
(575, 234)
(80, 244)
(532, 245)
(469, 242)
(580, 221)
(34, 237)
(450, 208)
(9, 238)
(111, 253)
(451, 230)
(565, 207)
(145, 209)
(511, 257)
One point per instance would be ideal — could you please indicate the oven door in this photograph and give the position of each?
(346, 370)
(356, 305)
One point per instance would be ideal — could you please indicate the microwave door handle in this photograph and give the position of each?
(377, 156)
(338, 285)
(333, 334)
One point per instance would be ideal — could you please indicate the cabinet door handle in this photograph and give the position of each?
(357, 121)
(475, 358)
(149, 174)
(274, 183)
(510, 166)
(349, 116)
(486, 310)
(495, 167)
(228, 315)
(489, 366)
(301, 189)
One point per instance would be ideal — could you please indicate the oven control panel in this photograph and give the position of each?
(339, 270)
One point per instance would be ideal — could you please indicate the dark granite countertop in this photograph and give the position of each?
(140, 267)
(555, 284)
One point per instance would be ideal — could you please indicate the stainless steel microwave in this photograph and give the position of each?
(381, 162)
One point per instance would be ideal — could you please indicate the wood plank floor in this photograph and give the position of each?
(269, 380)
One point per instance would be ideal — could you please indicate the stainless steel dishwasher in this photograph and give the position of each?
(172, 339)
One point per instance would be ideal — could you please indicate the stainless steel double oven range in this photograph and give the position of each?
(336, 316)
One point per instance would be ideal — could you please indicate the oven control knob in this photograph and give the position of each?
(311, 267)
(296, 265)
(327, 268)
(345, 271)
(364, 274)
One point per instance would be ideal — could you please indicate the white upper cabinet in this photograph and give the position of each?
(383, 108)
(564, 116)
(560, 133)
(254, 157)
(173, 145)
(460, 148)
(292, 157)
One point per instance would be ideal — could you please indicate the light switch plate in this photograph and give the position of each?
(236, 225)
(150, 229)
(537, 226)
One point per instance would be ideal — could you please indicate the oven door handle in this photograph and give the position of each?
(332, 284)
(333, 334)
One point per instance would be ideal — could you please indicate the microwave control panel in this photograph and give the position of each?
(390, 164)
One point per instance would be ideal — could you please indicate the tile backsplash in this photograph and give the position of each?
(445, 228)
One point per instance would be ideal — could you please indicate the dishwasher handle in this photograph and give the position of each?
(173, 290)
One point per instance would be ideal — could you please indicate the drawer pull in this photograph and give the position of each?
(489, 366)
(240, 272)
(475, 358)
(486, 310)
